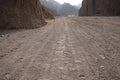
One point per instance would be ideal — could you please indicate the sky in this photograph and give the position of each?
(72, 2)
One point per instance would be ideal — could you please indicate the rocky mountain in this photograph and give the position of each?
(67, 9)
(22, 14)
(60, 9)
(51, 5)
(100, 8)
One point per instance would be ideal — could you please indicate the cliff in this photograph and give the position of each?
(100, 8)
(22, 14)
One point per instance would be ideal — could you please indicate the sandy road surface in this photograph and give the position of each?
(69, 48)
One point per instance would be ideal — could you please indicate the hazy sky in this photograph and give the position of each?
(73, 2)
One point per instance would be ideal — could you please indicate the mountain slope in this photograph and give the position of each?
(21, 14)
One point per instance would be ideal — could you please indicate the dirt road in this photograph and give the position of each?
(69, 48)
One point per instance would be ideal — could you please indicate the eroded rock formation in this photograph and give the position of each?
(22, 14)
(100, 8)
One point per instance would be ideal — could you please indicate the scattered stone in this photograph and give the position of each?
(13, 49)
(72, 69)
(102, 56)
(102, 67)
(96, 58)
(82, 76)
(21, 59)
(7, 76)
(1, 56)
(2, 35)
(8, 35)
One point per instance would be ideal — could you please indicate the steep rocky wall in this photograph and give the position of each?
(21, 14)
(47, 13)
(100, 8)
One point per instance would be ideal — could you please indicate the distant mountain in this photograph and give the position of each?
(52, 5)
(67, 9)
(58, 9)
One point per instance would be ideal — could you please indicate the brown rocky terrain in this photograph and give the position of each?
(47, 14)
(100, 8)
(67, 48)
(22, 14)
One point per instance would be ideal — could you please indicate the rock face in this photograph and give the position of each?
(21, 14)
(100, 8)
